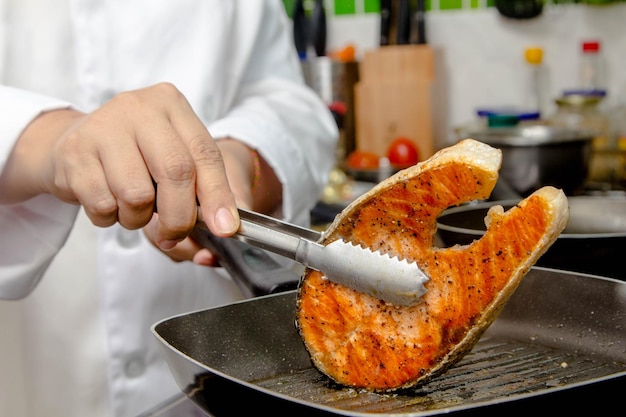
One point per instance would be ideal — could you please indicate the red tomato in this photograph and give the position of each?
(362, 160)
(403, 152)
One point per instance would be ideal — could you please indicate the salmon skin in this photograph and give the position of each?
(363, 342)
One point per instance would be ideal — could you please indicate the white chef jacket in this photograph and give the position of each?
(77, 341)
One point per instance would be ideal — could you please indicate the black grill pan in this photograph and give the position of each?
(559, 342)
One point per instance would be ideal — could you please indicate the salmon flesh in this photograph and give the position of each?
(363, 342)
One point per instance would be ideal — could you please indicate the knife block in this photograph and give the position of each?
(394, 98)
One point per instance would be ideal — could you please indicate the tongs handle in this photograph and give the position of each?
(254, 271)
(272, 234)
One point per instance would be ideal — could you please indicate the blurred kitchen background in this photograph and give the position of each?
(474, 59)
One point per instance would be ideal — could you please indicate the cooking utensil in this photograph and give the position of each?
(403, 32)
(538, 155)
(309, 32)
(388, 278)
(385, 21)
(300, 29)
(593, 242)
(420, 21)
(559, 341)
(396, 22)
(254, 270)
(318, 28)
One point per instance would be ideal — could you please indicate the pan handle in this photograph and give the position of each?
(255, 272)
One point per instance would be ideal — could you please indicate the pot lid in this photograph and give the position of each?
(579, 99)
(521, 114)
(530, 135)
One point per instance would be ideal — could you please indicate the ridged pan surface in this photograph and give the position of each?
(560, 340)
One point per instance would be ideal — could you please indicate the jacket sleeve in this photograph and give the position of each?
(279, 115)
(33, 231)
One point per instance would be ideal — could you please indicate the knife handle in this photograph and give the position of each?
(385, 21)
(318, 28)
(404, 23)
(420, 17)
(300, 29)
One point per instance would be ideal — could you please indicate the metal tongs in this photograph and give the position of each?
(393, 280)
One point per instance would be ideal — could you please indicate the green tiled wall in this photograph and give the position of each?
(371, 6)
(345, 7)
(355, 7)
(450, 4)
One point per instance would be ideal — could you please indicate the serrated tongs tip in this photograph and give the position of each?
(381, 275)
(389, 278)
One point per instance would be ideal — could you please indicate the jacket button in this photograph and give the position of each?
(128, 238)
(134, 366)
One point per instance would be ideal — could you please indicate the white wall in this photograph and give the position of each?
(482, 52)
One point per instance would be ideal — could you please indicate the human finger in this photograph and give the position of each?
(77, 175)
(129, 181)
(216, 199)
(185, 250)
(167, 158)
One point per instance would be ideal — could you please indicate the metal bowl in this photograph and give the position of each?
(537, 155)
(593, 242)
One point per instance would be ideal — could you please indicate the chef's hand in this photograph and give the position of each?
(106, 161)
(243, 173)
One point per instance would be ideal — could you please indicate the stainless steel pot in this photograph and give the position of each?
(593, 242)
(538, 155)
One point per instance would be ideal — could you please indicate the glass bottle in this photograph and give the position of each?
(581, 111)
(591, 69)
(536, 80)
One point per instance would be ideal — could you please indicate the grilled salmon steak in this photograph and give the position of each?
(361, 341)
